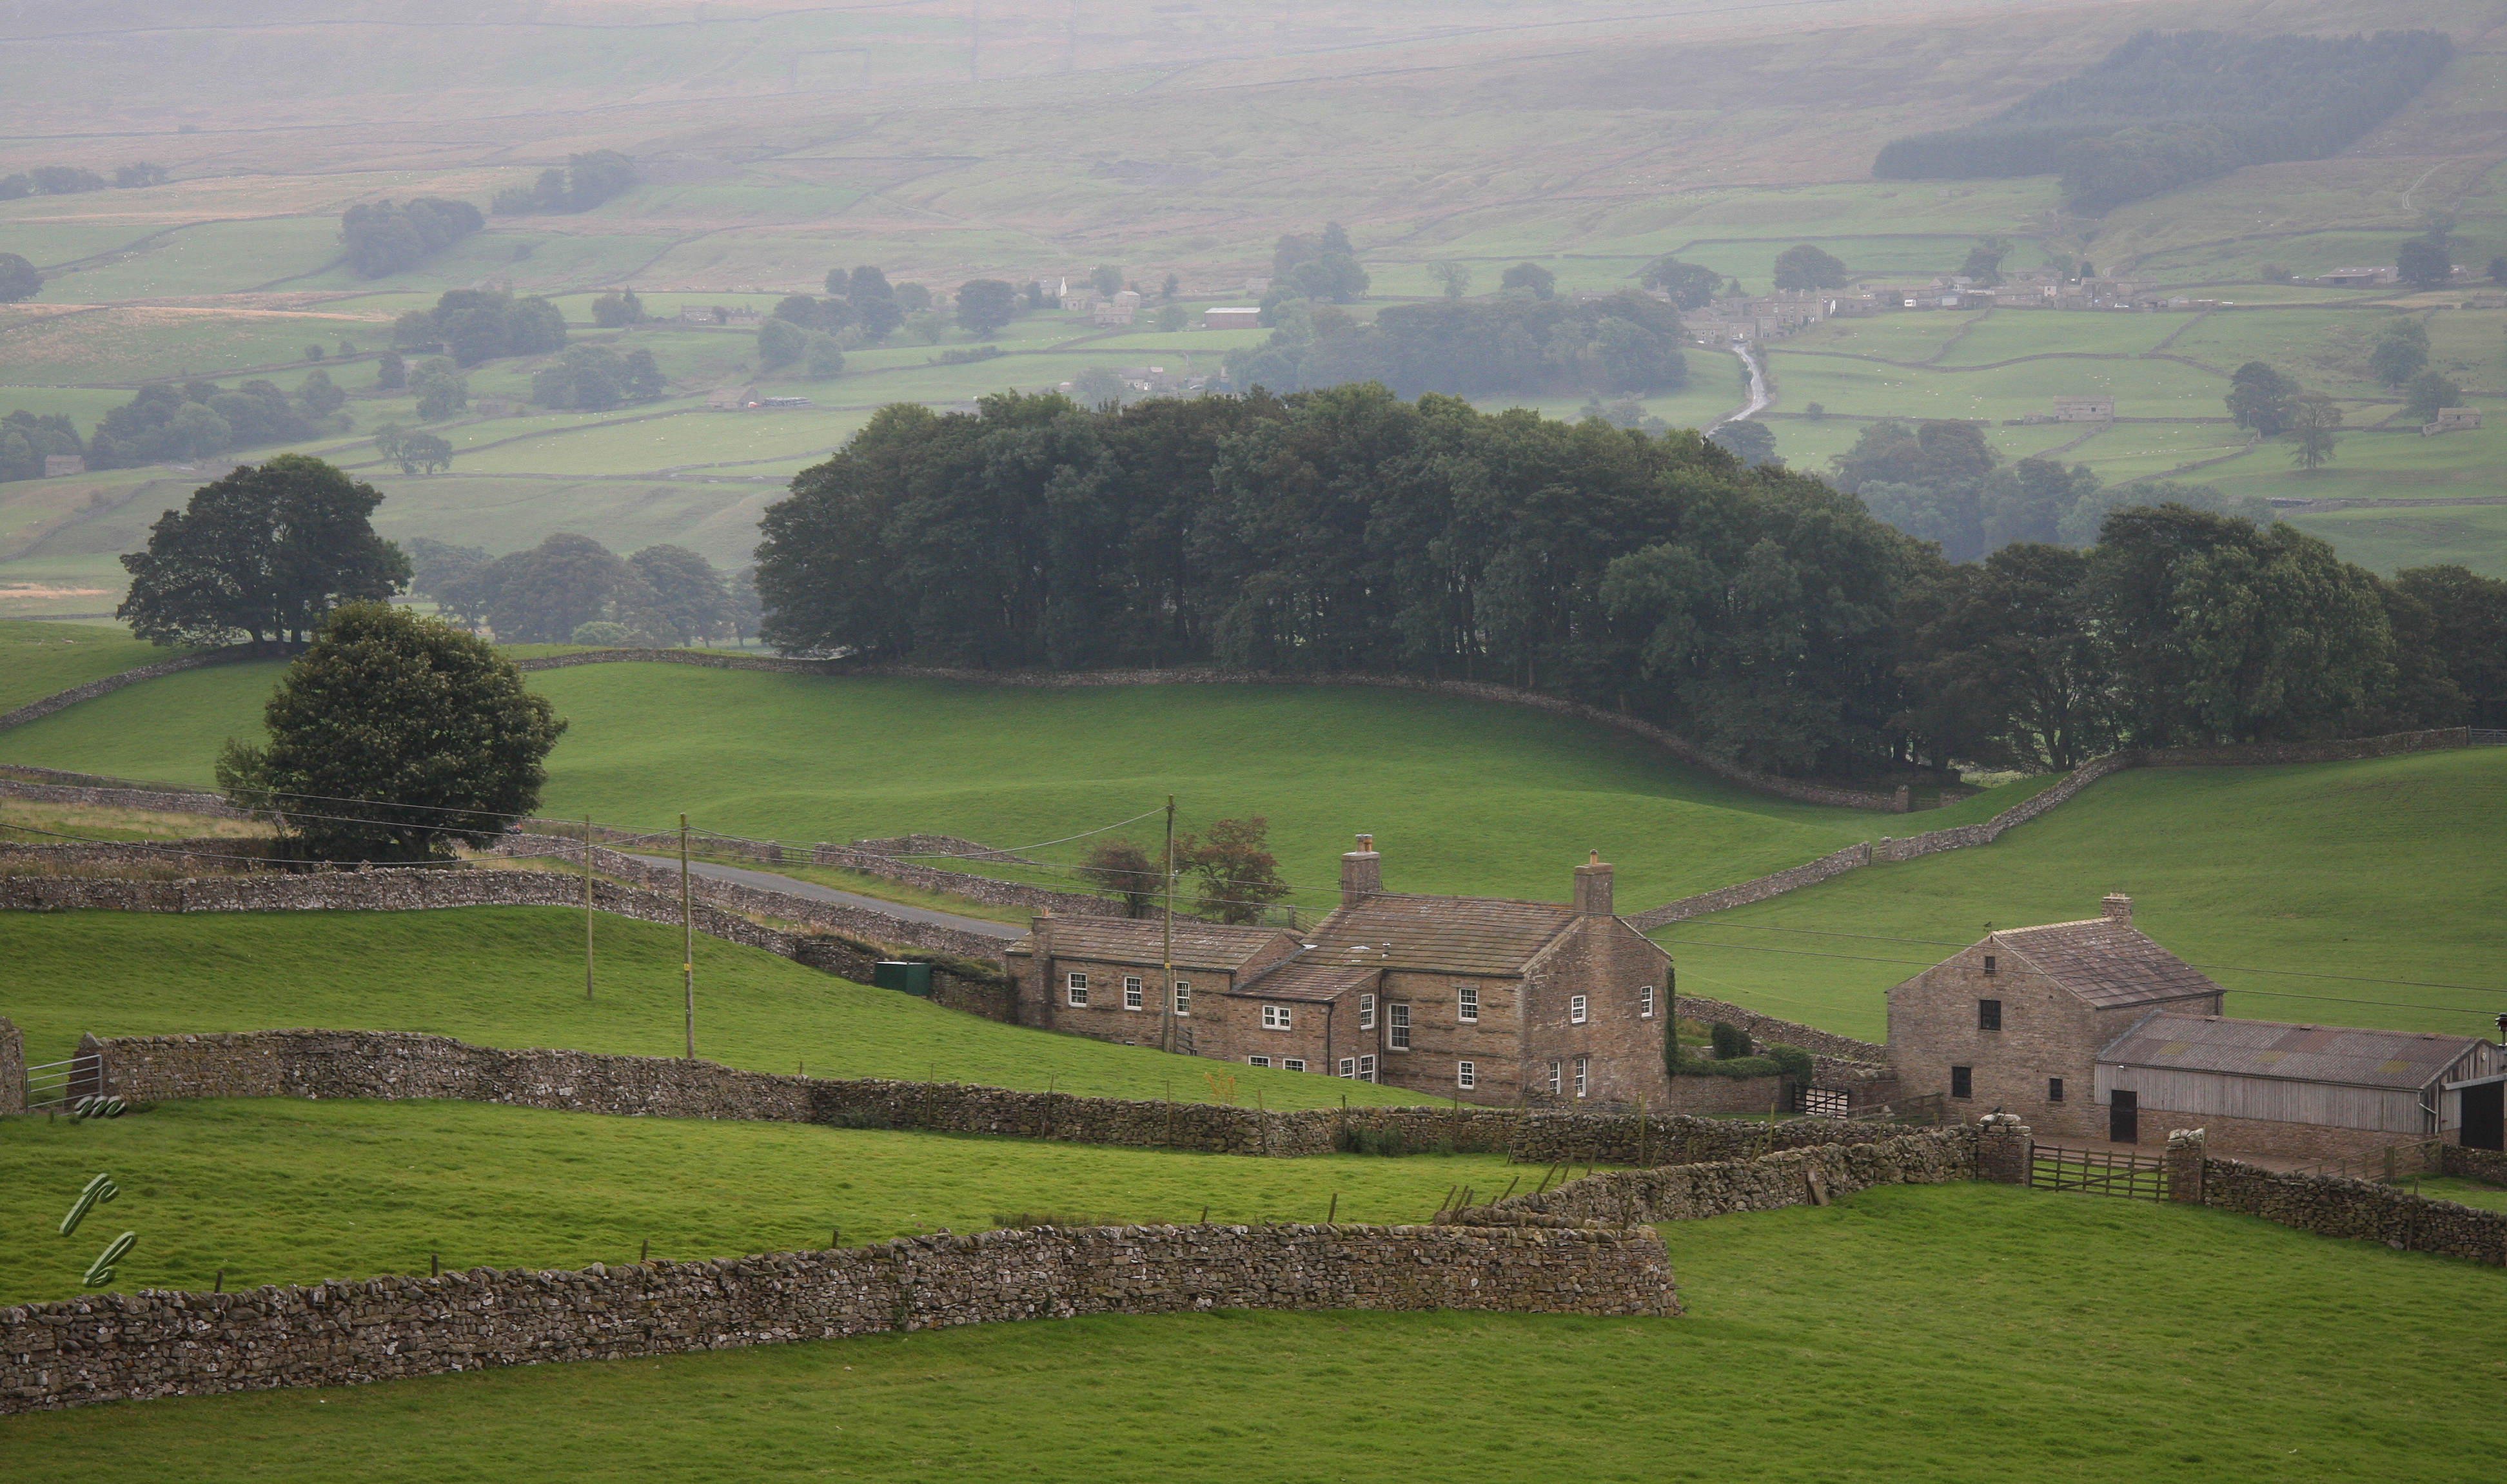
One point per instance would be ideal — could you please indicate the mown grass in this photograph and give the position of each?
(2380, 869)
(280, 1190)
(1965, 1333)
(513, 976)
(40, 659)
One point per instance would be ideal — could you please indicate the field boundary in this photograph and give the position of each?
(117, 1347)
(1769, 1181)
(34, 710)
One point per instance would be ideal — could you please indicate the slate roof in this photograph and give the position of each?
(1440, 934)
(1312, 977)
(2105, 963)
(1136, 940)
(2271, 1049)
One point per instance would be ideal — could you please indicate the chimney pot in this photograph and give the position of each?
(2118, 908)
(1594, 888)
(1362, 873)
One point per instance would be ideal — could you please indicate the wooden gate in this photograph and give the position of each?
(2096, 1172)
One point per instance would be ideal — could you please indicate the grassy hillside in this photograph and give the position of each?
(1963, 1334)
(2381, 869)
(1462, 796)
(513, 976)
(279, 1190)
(40, 659)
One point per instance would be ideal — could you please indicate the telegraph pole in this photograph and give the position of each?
(587, 906)
(687, 941)
(1165, 955)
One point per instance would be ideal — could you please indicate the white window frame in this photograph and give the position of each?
(1396, 1027)
(1366, 1069)
(1131, 992)
(1293, 1064)
(1553, 1079)
(1257, 1061)
(1075, 988)
(1576, 1009)
(1645, 1003)
(1467, 1003)
(1466, 1075)
(1349, 1067)
(1277, 1017)
(1367, 1012)
(1583, 1075)
(1183, 996)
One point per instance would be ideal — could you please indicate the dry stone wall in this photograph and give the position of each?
(13, 1068)
(63, 700)
(2477, 1164)
(1766, 1030)
(125, 1347)
(1812, 1173)
(2363, 1209)
(113, 795)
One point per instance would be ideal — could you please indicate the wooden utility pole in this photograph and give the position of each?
(1166, 952)
(687, 940)
(587, 906)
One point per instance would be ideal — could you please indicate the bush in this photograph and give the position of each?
(600, 630)
(1364, 1140)
(1731, 1042)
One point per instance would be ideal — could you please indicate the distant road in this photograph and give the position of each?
(767, 881)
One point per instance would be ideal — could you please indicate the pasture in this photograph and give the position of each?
(1967, 1333)
(2332, 873)
(279, 1190)
(513, 976)
(40, 659)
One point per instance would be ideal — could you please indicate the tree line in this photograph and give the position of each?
(73, 180)
(571, 589)
(585, 181)
(1524, 343)
(2166, 109)
(1760, 612)
(389, 237)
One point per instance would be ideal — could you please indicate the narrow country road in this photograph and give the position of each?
(1759, 397)
(767, 881)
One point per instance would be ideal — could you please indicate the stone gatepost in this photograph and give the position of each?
(2004, 1150)
(13, 1068)
(2187, 1150)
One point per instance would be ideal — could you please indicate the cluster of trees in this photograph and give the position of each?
(26, 440)
(1626, 342)
(1319, 267)
(1229, 875)
(198, 418)
(1691, 286)
(415, 452)
(474, 325)
(1806, 267)
(264, 553)
(2188, 627)
(618, 308)
(594, 379)
(1943, 481)
(572, 588)
(389, 237)
(585, 181)
(20, 279)
(2399, 358)
(1761, 613)
(2164, 110)
(71, 180)
(862, 309)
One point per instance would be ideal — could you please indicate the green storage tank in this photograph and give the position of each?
(902, 974)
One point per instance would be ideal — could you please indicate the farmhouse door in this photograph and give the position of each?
(2124, 1117)
(2484, 1117)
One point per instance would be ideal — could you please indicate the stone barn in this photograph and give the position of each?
(1477, 999)
(2298, 1091)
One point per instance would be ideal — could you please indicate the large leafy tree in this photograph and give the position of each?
(2263, 399)
(394, 738)
(265, 552)
(1809, 268)
(1238, 877)
(985, 304)
(543, 595)
(18, 278)
(1690, 285)
(2002, 665)
(689, 596)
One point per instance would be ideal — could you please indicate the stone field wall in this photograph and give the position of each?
(63, 700)
(13, 1067)
(117, 1347)
(2366, 1211)
(1812, 1173)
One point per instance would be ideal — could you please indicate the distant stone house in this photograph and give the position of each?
(2085, 409)
(1477, 999)
(2452, 420)
(1245, 316)
(57, 464)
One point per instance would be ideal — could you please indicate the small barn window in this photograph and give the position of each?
(1366, 1069)
(1466, 1075)
(1367, 1012)
(1183, 996)
(1257, 1061)
(1962, 1081)
(1467, 1002)
(1131, 992)
(1988, 1015)
(1645, 1001)
(1293, 1064)
(1553, 1079)
(1275, 1017)
(1584, 1075)
(1349, 1067)
(1078, 984)
(1576, 1009)
(2053, 1089)
(1988, 963)
(1396, 1032)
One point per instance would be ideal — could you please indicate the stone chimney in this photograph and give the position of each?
(1362, 873)
(1593, 886)
(1039, 927)
(2118, 908)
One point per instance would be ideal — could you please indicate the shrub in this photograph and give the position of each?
(1731, 1042)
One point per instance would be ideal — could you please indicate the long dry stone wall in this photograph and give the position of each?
(63, 700)
(45, 789)
(1813, 1173)
(2362, 1210)
(1766, 1030)
(125, 1347)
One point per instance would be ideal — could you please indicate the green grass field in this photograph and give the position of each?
(39, 659)
(1462, 795)
(1963, 1334)
(2378, 869)
(279, 1190)
(513, 976)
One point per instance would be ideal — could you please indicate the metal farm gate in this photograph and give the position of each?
(2097, 1171)
(59, 1084)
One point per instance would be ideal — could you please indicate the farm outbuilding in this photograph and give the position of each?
(2299, 1090)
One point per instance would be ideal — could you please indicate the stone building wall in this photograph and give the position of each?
(2268, 1138)
(118, 1347)
(1798, 1177)
(1609, 963)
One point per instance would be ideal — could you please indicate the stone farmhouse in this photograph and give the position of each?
(2090, 1029)
(1476, 999)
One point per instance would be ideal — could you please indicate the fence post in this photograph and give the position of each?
(2004, 1150)
(2187, 1149)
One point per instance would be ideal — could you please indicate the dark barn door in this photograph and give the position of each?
(2485, 1116)
(2124, 1117)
